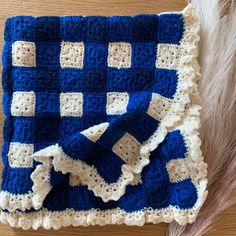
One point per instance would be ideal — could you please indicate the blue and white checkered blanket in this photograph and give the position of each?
(102, 118)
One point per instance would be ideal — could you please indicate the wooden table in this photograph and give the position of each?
(226, 225)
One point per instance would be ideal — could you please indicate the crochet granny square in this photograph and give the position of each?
(102, 119)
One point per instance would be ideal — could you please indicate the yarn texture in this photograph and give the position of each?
(102, 119)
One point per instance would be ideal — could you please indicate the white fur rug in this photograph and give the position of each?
(218, 92)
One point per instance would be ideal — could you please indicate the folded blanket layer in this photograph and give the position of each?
(102, 119)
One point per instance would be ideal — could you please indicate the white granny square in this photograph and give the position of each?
(168, 56)
(159, 106)
(71, 104)
(72, 54)
(179, 169)
(119, 55)
(19, 155)
(95, 132)
(23, 104)
(117, 103)
(127, 148)
(24, 54)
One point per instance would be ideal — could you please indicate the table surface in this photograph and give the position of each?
(226, 223)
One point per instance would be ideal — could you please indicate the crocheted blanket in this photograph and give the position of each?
(102, 118)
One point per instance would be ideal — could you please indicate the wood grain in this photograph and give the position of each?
(226, 225)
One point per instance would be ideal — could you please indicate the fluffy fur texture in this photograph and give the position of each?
(218, 92)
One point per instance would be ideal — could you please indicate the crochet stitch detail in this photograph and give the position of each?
(114, 108)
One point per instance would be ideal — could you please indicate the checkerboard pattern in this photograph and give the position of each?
(62, 76)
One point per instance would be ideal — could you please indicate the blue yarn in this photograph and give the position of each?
(7, 129)
(171, 27)
(6, 102)
(118, 79)
(173, 147)
(69, 126)
(95, 80)
(95, 55)
(7, 80)
(83, 198)
(46, 129)
(96, 29)
(133, 200)
(109, 170)
(72, 28)
(23, 129)
(7, 30)
(120, 28)
(24, 79)
(77, 146)
(143, 127)
(144, 55)
(139, 101)
(145, 28)
(48, 29)
(17, 180)
(6, 56)
(91, 119)
(23, 28)
(183, 194)
(47, 54)
(71, 80)
(160, 86)
(5, 150)
(141, 80)
(48, 80)
(47, 104)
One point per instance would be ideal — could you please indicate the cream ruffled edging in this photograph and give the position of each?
(181, 112)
